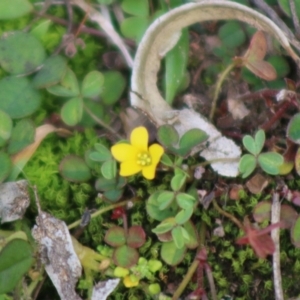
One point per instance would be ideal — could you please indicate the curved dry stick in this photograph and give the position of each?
(162, 34)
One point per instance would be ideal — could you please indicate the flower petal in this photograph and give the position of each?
(123, 152)
(139, 138)
(129, 167)
(156, 151)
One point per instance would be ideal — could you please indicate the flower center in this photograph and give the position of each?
(143, 159)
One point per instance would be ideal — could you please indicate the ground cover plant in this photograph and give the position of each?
(149, 149)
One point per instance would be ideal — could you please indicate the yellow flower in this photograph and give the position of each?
(136, 156)
(130, 281)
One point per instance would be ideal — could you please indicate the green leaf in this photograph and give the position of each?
(153, 210)
(165, 199)
(293, 130)
(270, 162)
(20, 53)
(103, 184)
(295, 233)
(178, 181)
(114, 85)
(115, 236)
(184, 215)
(71, 112)
(259, 138)
(254, 146)
(247, 165)
(262, 211)
(113, 195)
(176, 65)
(40, 30)
(280, 64)
(177, 237)
(18, 102)
(68, 86)
(103, 151)
(96, 108)
(185, 201)
(12, 9)
(171, 254)
(6, 165)
(190, 139)
(109, 169)
(285, 5)
(137, 8)
(166, 160)
(125, 256)
(193, 235)
(167, 135)
(15, 260)
(92, 84)
(136, 237)
(5, 127)
(134, 27)
(22, 136)
(74, 169)
(52, 72)
(164, 226)
(232, 34)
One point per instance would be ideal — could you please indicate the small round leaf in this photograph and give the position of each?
(171, 254)
(115, 236)
(18, 102)
(125, 256)
(177, 237)
(178, 181)
(247, 165)
(192, 138)
(270, 162)
(71, 111)
(20, 53)
(12, 9)
(74, 169)
(136, 237)
(109, 169)
(5, 127)
(136, 8)
(293, 130)
(167, 135)
(92, 84)
(165, 199)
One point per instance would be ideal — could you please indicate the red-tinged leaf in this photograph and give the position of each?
(261, 69)
(257, 48)
(259, 239)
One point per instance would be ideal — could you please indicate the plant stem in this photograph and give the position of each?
(103, 210)
(276, 255)
(228, 215)
(218, 89)
(188, 276)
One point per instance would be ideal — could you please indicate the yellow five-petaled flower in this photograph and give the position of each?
(136, 156)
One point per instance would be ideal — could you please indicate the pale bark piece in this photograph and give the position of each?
(14, 200)
(57, 253)
(104, 288)
(155, 43)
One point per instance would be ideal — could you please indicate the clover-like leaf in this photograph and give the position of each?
(22, 136)
(270, 162)
(293, 130)
(185, 201)
(5, 164)
(52, 72)
(102, 154)
(103, 184)
(232, 34)
(125, 256)
(247, 165)
(171, 254)
(109, 169)
(165, 226)
(92, 84)
(20, 53)
(71, 112)
(18, 102)
(68, 86)
(136, 237)
(295, 233)
(165, 199)
(177, 237)
(254, 145)
(5, 127)
(178, 181)
(115, 236)
(184, 215)
(12, 9)
(193, 241)
(153, 210)
(167, 135)
(74, 169)
(136, 8)
(15, 260)
(113, 87)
